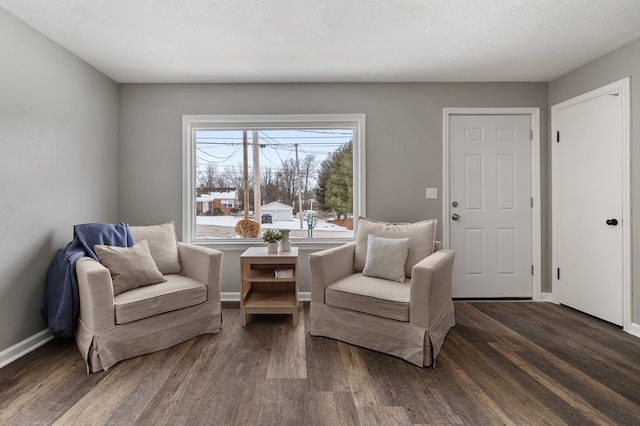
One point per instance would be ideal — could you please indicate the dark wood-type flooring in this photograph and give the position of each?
(504, 363)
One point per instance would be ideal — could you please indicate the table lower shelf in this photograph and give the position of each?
(269, 302)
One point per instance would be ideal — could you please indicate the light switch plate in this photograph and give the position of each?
(432, 193)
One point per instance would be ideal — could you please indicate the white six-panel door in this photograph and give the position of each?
(490, 211)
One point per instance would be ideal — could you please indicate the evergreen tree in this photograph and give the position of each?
(321, 188)
(335, 181)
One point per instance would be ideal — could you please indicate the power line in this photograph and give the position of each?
(222, 159)
(278, 137)
(275, 144)
(279, 144)
(328, 132)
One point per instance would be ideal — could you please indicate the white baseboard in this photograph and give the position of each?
(20, 349)
(633, 329)
(234, 296)
(546, 297)
(230, 296)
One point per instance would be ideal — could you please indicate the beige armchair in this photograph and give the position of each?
(406, 319)
(112, 327)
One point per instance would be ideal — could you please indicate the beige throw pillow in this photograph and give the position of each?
(422, 235)
(130, 267)
(162, 244)
(386, 258)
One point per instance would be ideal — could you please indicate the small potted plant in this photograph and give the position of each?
(271, 237)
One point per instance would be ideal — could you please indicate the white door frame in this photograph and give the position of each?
(623, 87)
(534, 113)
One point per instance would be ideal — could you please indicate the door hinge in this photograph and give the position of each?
(558, 273)
(558, 136)
(532, 270)
(531, 202)
(531, 134)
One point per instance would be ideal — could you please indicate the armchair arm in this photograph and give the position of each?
(328, 266)
(430, 287)
(96, 295)
(203, 264)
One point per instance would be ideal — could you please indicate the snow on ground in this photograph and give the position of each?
(231, 221)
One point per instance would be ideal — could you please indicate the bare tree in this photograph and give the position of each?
(287, 182)
(281, 185)
(308, 171)
(208, 176)
(233, 177)
(269, 189)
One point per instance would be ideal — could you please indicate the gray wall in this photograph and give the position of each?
(404, 141)
(58, 152)
(614, 66)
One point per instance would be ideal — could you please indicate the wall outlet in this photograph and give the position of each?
(432, 193)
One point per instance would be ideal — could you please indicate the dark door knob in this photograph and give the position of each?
(455, 216)
(612, 222)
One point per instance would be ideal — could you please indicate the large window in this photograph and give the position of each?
(298, 172)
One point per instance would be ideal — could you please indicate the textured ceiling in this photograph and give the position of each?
(333, 40)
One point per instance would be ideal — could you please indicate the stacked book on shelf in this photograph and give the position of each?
(283, 273)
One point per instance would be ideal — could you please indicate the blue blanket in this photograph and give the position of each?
(61, 302)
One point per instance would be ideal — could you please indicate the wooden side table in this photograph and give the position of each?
(262, 292)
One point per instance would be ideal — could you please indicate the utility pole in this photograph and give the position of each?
(256, 177)
(299, 187)
(245, 174)
(246, 227)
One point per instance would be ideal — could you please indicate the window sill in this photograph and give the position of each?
(243, 244)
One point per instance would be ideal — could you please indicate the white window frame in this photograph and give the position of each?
(193, 123)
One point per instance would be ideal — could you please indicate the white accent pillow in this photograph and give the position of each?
(386, 258)
(162, 244)
(422, 234)
(130, 267)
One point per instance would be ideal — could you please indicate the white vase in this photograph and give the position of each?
(285, 244)
(272, 248)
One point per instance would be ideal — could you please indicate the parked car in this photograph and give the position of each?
(267, 218)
